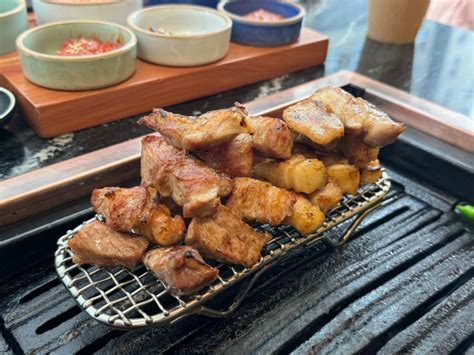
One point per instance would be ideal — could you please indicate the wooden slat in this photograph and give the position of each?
(42, 189)
(52, 112)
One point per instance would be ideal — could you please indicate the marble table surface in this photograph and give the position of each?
(437, 67)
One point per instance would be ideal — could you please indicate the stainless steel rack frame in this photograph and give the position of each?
(135, 298)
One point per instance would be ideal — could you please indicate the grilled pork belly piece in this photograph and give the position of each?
(271, 136)
(235, 158)
(196, 133)
(135, 208)
(181, 268)
(298, 173)
(328, 197)
(190, 182)
(226, 238)
(98, 244)
(309, 118)
(256, 200)
(371, 172)
(358, 153)
(360, 117)
(306, 217)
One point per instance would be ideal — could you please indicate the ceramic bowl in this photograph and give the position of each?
(116, 11)
(208, 3)
(196, 35)
(264, 34)
(7, 106)
(13, 21)
(38, 54)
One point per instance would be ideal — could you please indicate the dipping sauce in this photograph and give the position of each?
(263, 16)
(87, 46)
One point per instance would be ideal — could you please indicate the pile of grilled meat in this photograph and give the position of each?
(204, 177)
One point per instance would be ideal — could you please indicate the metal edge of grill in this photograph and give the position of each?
(106, 308)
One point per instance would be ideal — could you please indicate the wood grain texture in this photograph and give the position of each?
(45, 188)
(51, 112)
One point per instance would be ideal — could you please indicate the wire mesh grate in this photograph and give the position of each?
(136, 298)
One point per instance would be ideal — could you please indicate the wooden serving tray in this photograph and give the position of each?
(57, 184)
(51, 112)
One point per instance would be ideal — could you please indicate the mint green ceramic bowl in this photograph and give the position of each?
(13, 21)
(38, 54)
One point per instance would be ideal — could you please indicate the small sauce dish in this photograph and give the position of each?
(181, 35)
(38, 49)
(7, 106)
(13, 21)
(260, 33)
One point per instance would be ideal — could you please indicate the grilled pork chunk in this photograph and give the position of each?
(226, 238)
(196, 133)
(98, 244)
(181, 268)
(271, 136)
(360, 117)
(135, 208)
(309, 118)
(190, 182)
(235, 158)
(255, 200)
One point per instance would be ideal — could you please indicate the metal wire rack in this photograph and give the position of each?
(135, 298)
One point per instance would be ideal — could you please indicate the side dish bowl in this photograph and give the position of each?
(43, 66)
(116, 11)
(13, 21)
(264, 34)
(208, 3)
(181, 35)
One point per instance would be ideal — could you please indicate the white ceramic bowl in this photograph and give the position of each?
(116, 11)
(197, 35)
(13, 21)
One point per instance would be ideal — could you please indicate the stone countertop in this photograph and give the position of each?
(437, 67)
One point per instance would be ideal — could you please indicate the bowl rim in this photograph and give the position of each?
(21, 5)
(10, 107)
(59, 3)
(287, 21)
(79, 58)
(132, 17)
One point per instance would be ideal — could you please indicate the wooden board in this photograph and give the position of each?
(54, 185)
(52, 112)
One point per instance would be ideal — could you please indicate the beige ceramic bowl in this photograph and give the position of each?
(196, 35)
(13, 21)
(116, 11)
(38, 54)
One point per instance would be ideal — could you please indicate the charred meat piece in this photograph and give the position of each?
(358, 153)
(255, 200)
(341, 103)
(188, 181)
(98, 244)
(135, 208)
(226, 238)
(181, 268)
(234, 158)
(309, 118)
(195, 133)
(306, 217)
(360, 117)
(271, 136)
(371, 172)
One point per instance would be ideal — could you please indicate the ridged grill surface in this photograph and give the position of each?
(402, 284)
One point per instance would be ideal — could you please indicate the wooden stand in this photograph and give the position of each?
(51, 112)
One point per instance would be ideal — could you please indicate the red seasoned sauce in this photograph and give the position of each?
(87, 46)
(264, 16)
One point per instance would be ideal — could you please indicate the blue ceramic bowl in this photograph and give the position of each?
(264, 34)
(208, 3)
